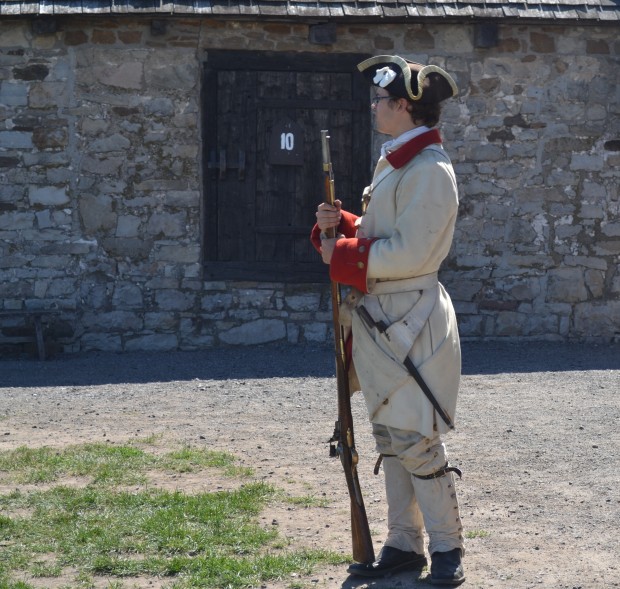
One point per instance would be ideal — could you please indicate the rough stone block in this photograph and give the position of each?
(255, 298)
(161, 107)
(16, 221)
(244, 315)
(128, 226)
(184, 254)
(127, 295)
(193, 341)
(48, 195)
(595, 282)
(13, 94)
(127, 247)
(61, 288)
(127, 75)
(599, 320)
(174, 300)
(48, 95)
(152, 342)
(611, 229)
(102, 166)
(97, 213)
(161, 321)
(16, 140)
(115, 142)
(566, 285)
(563, 232)
(315, 332)
(292, 333)
(216, 302)
(588, 211)
(592, 163)
(113, 321)
(15, 36)
(171, 69)
(607, 248)
(101, 342)
(166, 225)
(510, 324)
(471, 325)
(303, 302)
(255, 332)
(182, 198)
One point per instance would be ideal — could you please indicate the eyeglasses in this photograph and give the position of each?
(376, 99)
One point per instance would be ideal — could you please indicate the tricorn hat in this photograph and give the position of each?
(425, 84)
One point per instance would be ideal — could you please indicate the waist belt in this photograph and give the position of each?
(403, 285)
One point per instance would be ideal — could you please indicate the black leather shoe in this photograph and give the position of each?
(391, 560)
(446, 568)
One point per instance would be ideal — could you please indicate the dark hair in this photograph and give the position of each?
(428, 114)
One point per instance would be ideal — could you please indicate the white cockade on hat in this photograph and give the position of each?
(384, 76)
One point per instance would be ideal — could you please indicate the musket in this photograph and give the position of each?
(342, 442)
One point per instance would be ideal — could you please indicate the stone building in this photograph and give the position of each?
(160, 164)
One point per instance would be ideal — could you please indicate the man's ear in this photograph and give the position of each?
(404, 104)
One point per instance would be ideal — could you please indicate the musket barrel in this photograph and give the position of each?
(325, 149)
(343, 431)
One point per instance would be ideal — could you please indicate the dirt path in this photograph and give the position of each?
(537, 439)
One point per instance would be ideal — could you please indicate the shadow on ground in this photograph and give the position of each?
(283, 361)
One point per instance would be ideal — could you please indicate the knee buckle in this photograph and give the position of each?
(439, 473)
(380, 460)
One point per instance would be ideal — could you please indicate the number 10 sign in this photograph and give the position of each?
(286, 146)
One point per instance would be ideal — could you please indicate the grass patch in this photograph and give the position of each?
(476, 534)
(192, 460)
(208, 540)
(308, 501)
(103, 463)
(108, 464)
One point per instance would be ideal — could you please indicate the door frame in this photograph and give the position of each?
(225, 60)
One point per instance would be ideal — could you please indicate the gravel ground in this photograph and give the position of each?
(537, 439)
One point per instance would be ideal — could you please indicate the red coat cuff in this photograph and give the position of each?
(315, 238)
(349, 264)
(346, 227)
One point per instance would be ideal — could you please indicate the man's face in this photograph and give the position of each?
(386, 112)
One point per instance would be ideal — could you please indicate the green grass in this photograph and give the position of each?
(308, 501)
(198, 540)
(190, 460)
(103, 463)
(108, 464)
(477, 534)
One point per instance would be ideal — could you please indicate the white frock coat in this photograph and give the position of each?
(412, 212)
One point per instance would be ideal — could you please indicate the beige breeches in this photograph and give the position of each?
(414, 503)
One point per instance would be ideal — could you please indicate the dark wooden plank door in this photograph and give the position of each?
(259, 109)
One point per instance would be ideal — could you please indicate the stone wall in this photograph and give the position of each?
(100, 182)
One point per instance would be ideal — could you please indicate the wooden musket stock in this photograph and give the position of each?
(343, 437)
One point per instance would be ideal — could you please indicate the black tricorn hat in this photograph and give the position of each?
(424, 84)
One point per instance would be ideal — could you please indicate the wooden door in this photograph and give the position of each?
(263, 115)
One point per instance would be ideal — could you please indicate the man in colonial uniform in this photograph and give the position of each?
(403, 315)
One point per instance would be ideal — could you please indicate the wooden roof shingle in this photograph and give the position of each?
(548, 10)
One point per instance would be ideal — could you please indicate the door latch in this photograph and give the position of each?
(219, 166)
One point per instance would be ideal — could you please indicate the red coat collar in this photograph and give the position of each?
(409, 150)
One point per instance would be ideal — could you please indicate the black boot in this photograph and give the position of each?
(446, 568)
(391, 560)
